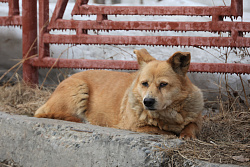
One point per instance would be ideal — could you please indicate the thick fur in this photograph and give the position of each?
(158, 98)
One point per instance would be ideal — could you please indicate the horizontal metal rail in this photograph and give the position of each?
(133, 65)
(4, 1)
(152, 10)
(147, 40)
(221, 26)
(11, 21)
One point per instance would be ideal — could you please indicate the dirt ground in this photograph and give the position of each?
(225, 136)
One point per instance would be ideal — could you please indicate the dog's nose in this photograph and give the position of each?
(149, 102)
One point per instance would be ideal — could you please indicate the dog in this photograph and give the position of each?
(159, 98)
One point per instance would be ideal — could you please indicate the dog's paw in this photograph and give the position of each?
(187, 136)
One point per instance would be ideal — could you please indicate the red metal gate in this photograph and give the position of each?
(103, 23)
(13, 18)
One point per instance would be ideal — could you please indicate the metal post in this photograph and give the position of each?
(237, 8)
(29, 20)
(13, 7)
(43, 24)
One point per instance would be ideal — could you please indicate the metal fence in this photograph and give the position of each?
(217, 24)
(13, 18)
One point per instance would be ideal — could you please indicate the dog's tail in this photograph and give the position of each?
(57, 115)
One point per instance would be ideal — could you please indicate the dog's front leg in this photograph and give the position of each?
(190, 131)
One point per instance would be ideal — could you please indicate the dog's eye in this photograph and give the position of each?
(163, 84)
(145, 84)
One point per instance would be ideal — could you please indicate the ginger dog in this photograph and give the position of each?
(159, 98)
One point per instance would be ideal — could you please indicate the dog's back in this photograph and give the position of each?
(94, 94)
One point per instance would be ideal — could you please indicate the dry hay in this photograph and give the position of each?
(21, 99)
(9, 163)
(224, 137)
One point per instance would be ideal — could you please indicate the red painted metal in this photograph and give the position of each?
(102, 23)
(147, 40)
(48, 62)
(30, 73)
(43, 24)
(221, 26)
(236, 9)
(13, 18)
(151, 10)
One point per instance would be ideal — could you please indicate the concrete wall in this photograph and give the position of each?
(44, 142)
(33, 142)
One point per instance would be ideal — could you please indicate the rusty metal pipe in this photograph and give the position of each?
(29, 18)
(132, 65)
(147, 40)
(43, 24)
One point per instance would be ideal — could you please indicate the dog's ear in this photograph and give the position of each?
(143, 56)
(180, 62)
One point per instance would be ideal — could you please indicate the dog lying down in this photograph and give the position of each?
(159, 98)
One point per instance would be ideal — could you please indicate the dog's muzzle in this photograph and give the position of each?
(149, 103)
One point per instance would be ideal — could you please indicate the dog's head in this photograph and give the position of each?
(161, 83)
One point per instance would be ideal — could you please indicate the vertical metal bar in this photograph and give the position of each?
(59, 10)
(16, 7)
(29, 19)
(237, 8)
(13, 7)
(43, 24)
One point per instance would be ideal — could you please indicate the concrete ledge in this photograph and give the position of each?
(36, 142)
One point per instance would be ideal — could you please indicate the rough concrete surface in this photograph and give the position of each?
(29, 141)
